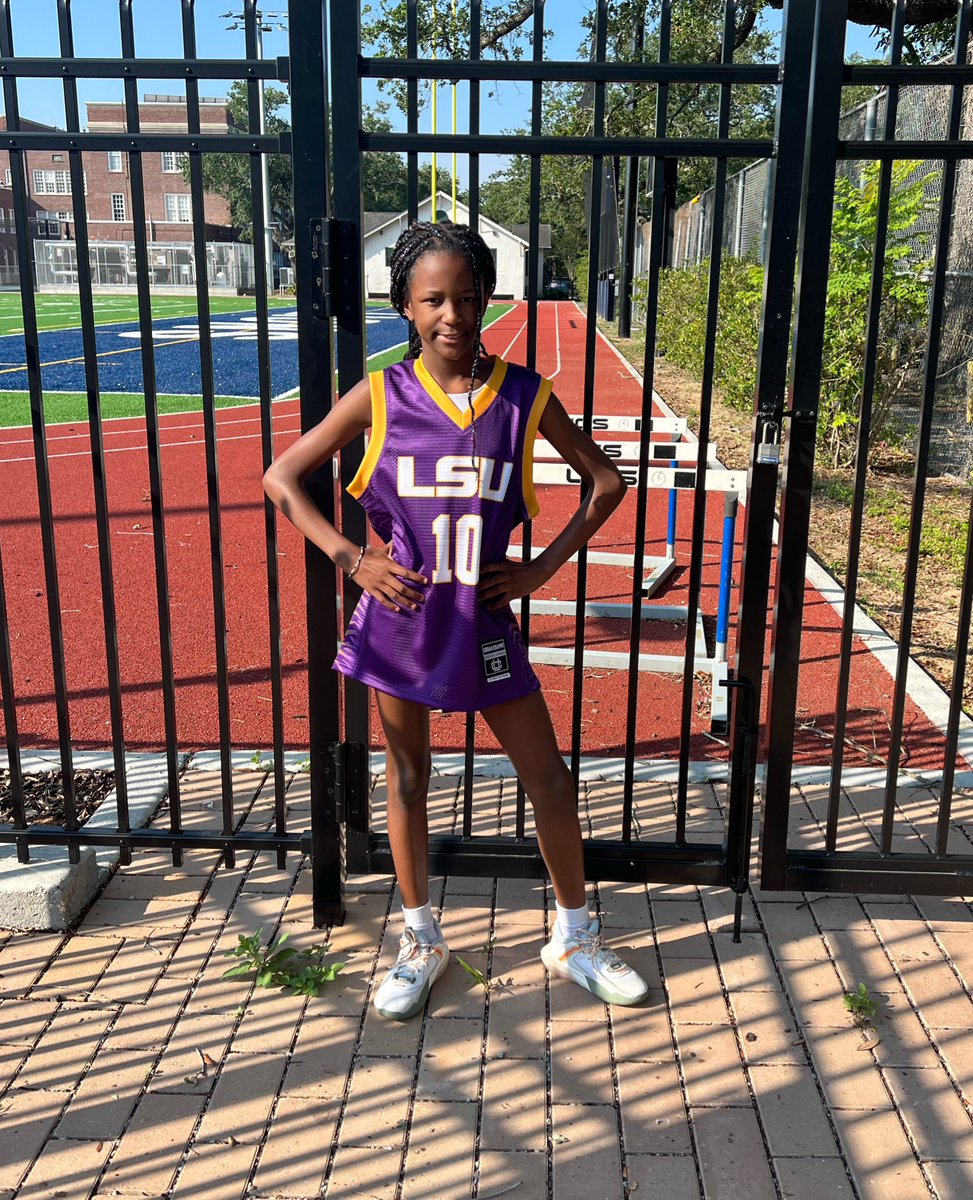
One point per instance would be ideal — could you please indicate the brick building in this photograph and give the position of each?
(108, 200)
(168, 209)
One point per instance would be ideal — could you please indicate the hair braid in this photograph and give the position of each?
(443, 237)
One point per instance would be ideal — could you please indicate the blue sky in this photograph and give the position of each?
(158, 33)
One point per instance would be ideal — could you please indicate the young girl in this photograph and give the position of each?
(447, 475)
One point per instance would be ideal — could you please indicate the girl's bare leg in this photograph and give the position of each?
(524, 730)
(407, 759)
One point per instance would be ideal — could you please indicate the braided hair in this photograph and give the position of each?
(443, 237)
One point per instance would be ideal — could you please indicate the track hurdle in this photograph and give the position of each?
(658, 566)
(732, 484)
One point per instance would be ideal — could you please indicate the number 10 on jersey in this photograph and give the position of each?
(466, 559)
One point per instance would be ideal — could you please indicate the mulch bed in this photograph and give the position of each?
(44, 796)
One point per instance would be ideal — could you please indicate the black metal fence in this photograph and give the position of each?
(72, 144)
(675, 854)
(896, 858)
(630, 839)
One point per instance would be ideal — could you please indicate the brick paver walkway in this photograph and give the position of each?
(131, 1068)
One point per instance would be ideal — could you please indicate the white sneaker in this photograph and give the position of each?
(422, 959)
(586, 959)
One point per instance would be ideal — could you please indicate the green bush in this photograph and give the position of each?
(683, 297)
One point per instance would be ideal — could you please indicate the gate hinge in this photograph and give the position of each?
(283, 68)
(338, 757)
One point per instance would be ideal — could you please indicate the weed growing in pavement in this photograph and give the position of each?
(862, 1007)
(259, 763)
(303, 972)
(475, 972)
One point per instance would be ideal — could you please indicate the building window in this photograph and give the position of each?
(7, 179)
(57, 158)
(114, 160)
(53, 228)
(52, 183)
(172, 162)
(42, 229)
(64, 216)
(117, 206)
(178, 208)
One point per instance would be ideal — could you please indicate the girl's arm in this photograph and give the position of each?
(502, 582)
(377, 572)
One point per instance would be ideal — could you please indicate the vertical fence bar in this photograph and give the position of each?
(412, 108)
(590, 345)
(631, 207)
(208, 392)
(817, 207)
(864, 433)
(469, 741)
(152, 425)
(698, 533)
(311, 157)
(260, 220)
(16, 783)
(18, 166)
(95, 431)
(656, 252)
(533, 257)
(930, 367)
(785, 184)
(348, 284)
(474, 159)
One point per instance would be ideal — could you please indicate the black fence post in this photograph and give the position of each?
(309, 108)
(773, 351)
(348, 285)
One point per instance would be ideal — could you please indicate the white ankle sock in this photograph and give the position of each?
(420, 919)
(570, 920)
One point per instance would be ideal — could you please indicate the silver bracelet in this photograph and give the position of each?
(361, 555)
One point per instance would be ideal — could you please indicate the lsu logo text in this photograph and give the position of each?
(457, 476)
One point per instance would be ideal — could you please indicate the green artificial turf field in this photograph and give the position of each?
(61, 311)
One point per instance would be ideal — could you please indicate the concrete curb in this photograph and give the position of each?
(49, 892)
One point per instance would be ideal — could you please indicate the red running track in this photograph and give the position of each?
(560, 355)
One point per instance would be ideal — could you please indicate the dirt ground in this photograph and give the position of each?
(885, 527)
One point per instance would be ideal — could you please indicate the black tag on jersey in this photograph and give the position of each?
(496, 664)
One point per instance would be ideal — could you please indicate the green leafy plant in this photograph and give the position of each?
(862, 1007)
(259, 763)
(683, 296)
(475, 972)
(303, 972)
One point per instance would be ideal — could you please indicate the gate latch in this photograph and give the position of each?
(768, 451)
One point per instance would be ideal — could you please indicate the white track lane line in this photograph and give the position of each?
(557, 338)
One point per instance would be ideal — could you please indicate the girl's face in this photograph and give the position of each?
(442, 305)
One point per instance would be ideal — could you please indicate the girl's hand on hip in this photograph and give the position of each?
(503, 582)
(385, 579)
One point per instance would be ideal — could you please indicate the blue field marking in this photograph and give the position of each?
(177, 363)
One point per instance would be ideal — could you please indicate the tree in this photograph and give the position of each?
(228, 175)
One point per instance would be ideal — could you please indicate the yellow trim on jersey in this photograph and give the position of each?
(376, 438)
(533, 425)
(462, 416)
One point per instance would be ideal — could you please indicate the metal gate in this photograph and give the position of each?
(890, 848)
(333, 284)
(326, 147)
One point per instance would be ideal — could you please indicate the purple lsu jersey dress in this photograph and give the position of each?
(445, 515)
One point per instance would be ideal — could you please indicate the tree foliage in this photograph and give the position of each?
(228, 175)
(902, 332)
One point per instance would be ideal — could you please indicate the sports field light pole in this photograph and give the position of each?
(275, 22)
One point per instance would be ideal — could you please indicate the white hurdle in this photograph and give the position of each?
(660, 476)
